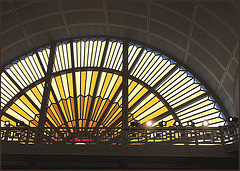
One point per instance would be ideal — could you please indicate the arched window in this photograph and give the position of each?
(86, 87)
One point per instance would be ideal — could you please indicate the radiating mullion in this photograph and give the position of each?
(28, 70)
(179, 77)
(86, 53)
(99, 43)
(150, 68)
(107, 54)
(62, 58)
(82, 53)
(197, 111)
(159, 65)
(140, 63)
(8, 86)
(26, 73)
(90, 52)
(10, 83)
(188, 94)
(79, 53)
(119, 58)
(65, 55)
(18, 76)
(38, 65)
(19, 71)
(15, 79)
(44, 62)
(27, 59)
(144, 66)
(192, 105)
(6, 94)
(75, 54)
(35, 66)
(109, 57)
(116, 51)
(167, 64)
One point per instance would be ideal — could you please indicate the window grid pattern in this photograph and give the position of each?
(187, 97)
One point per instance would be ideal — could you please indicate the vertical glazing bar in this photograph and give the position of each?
(125, 91)
(46, 92)
(74, 88)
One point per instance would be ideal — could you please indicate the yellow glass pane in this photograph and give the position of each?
(77, 76)
(134, 57)
(70, 83)
(60, 48)
(86, 53)
(16, 115)
(156, 70)
(40, 88)
(69, 105)
(216, 120)
(31, 68)
(51, 120)
(45, 55)
(18, 76)
(130, 49)
(94, 79)
(65, 85)
(144, 105)
(101, 82)
(135, 91)
(145, 109)
(94, 49)
(33, 98)
(149, 67)
(83, 81)
(170, 123)
(9, 81)
(4, 118)
(60, 87)
(25, 72)
(7, 90)
(21, 112)
(164, 73)
(38, 64)
(110, 56)
(56, 64)
(114, 90)
(29, 105)
(63, 110)
(4, 97)
(88, 82)
(189, 98)
(188, 89)
(180, 84)
(118, 57)
(131, 85)
(117, 113)
(138, 96)
(106, 83)
(143, 61)
(198, 106)
(112, 83)
(202, 114)
(103, 44)
(37, 93)
(79, 54)
(56, 89)
(178, 74)
(69, 55)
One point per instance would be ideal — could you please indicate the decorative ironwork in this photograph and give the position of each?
(92, 83)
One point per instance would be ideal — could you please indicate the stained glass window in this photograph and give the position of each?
(86, 87)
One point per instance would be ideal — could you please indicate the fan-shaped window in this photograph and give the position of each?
(86, 84)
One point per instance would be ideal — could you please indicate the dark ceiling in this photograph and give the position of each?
(203, 35)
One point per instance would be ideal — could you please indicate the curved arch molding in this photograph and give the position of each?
(86, 87)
